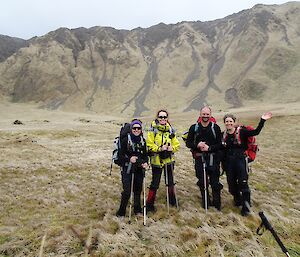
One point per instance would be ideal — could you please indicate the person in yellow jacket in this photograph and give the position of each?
(162, 144)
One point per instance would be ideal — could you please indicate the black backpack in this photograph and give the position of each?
(124, 131)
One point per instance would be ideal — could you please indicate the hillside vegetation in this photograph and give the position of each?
(58, 198)
(245, 59)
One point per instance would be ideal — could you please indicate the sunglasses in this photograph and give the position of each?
(163, 117)
(136, 128)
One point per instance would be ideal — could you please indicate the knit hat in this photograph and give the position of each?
(135, 122)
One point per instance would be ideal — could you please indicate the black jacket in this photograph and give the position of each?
(135, 149)
(205, 134)
(230, 143)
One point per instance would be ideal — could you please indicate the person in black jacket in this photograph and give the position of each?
(235, 161)
(134, 159)
(205, 140)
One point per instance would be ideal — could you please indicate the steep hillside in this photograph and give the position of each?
(10, 45)
(243, 59)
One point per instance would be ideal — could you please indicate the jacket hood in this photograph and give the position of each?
(155, 125)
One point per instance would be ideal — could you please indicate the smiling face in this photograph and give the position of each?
(229, 123)
(205, 114)
(136, 130)
(162, 118)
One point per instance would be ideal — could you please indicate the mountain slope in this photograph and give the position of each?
(243, 59)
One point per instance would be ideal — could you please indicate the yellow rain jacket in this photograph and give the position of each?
(158, 136)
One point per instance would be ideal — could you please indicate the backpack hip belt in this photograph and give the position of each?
(237, 153)
(203, 156)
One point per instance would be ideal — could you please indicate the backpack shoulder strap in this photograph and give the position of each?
(154, 130)
(196, 127)
(225, 135)
(213, 129)
(130, 142)
(196, 132)
(142, 140)
(171, 130)
(238, 135)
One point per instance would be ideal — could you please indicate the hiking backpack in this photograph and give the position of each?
(124, 131)
(252, 147)
(211, 119)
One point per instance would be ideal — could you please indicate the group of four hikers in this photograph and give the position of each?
(209, 147)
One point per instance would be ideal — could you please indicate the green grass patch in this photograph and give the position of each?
(261, 187)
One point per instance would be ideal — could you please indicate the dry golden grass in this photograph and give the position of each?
(58, 199)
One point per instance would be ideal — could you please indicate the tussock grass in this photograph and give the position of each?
(58, 179)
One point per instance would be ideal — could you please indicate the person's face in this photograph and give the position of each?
(205, 114)
(162, 118)
(229, 123)
(136, 130)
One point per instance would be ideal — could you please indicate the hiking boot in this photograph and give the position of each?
(138, 211)
(150, 208)
(245, 209)
(122, 209)
(203, 199)
(120, 213)
(237, 199)
(217, 206)
(150, 201)
(172, 200)
(137, 204)
(217, 199)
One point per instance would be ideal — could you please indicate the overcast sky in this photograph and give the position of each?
(29, 18)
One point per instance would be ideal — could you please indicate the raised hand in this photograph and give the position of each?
(266, 116)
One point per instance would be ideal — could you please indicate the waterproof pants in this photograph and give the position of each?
(237, 178)
(212, 168)
(169, 181)
(137, 189)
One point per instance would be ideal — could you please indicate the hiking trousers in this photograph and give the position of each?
(237, 177)
(137, 189)
(169, 181)
(156, 175)
(212, 178)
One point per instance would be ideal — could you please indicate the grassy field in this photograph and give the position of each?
(58, 197)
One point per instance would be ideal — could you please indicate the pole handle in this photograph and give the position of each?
(269, 227)
(265, 221)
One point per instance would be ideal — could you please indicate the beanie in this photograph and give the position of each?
(135, 122)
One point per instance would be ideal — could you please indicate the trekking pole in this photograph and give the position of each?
(205, 184)
(111, 166)
(131, 196)
(172, 170)
(265, 223)
(167, 186)
(144, 193)
(129, 168)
